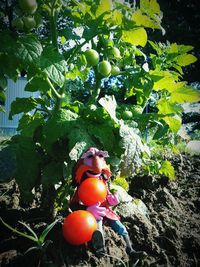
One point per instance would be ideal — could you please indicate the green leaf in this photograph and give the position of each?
(58, 126)
(8, 42)
(2, 96)
(166, 107)
(168, 170)
(37, 84)
(167, 83)
(156, 47)
(83, 7)
(28, 49)
(7, 163)
(3, 83)
(76, 72)
(185, 94)
(103, 134)
(116, 18)
(22, 105)
(186, 59)
(185, 48)
(133, 149)
(143, 20)
(54, 65)
(174, 123)
(172, 49)
(28, 124)
(28, 166)
(136, 36)
(52, 173)
(89, 33)
(104, 6)
(150, 7)
(78, 149)
(79, 134)
(68, 34)
(10, 69)
(161, 132)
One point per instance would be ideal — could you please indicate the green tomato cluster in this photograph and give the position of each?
(29, 21)
(104, 67)
(26, 23)
(129, 112)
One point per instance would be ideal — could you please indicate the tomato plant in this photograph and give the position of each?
(56, 127)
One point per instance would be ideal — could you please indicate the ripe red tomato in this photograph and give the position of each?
(78, 227)
(91, 191)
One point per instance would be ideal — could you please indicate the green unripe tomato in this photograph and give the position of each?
(92, 57)
(29, 23)
(18, 23)
(137, 110)
(127, 115)
(115, 52)
(28, 6)
(115, 70)
(104, 68)
(108, 43)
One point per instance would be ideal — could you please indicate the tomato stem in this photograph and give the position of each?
(53, 88)
(53, 29)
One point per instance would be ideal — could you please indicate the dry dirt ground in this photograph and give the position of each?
(169, 232)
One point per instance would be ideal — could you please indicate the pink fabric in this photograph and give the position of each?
(97, 211)
(112, 199)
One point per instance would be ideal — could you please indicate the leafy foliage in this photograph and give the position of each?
(73, 111)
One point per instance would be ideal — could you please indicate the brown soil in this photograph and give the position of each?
(170, 233)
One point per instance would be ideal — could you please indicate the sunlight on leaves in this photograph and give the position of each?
(185, 94)
(135, 36)
(168, 170)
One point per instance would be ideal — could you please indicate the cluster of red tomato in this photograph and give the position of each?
(79, 225)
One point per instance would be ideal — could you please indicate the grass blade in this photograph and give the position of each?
(46, 231)
(18, 232)
(30, 230)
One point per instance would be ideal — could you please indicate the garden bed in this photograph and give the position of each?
(169, 233)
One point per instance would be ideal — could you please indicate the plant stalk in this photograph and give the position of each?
(53, 88)
(97, 88)
(53, 29)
